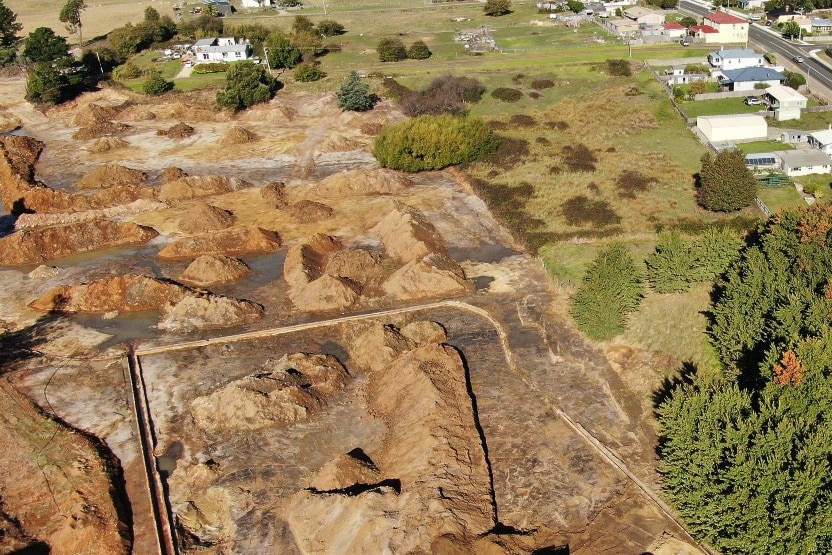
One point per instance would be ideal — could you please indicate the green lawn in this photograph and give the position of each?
(764, 146)
(779, 198)
(718, 107)
(809, 121)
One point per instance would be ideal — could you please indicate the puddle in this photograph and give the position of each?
(482, 283)
(17, 131)
(166, 464)
(124, 328)
(485, 252)
(265, 269)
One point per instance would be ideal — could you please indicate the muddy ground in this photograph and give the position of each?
(559, 450)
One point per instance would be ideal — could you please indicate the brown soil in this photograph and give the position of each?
(94, 113)
(110, 175)
(200, 186)
(252, 240)
(308, 211)
(107, 144)
(178, 131)
(238, 136)
(275, 194)
(101, 129)
(172, 174)
(211, 269)
(407, 235)
(203, 217)
(363, 182)
(33, 246)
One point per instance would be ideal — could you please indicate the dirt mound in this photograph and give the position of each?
(274, 194)
(107, 144)
(337, 142)
(93, 113)
(187, 112)
(8, 122)
(179, 131)
(432, 479)
(253, 240)
(407, 235)
(28, 221)
(110, 175)
(434, 275)
(21, 193)
(205, 217)
(135, 113)
(171, 174)
(424, 332)
(199, 186)
(310, 287)
(357, 265)
(101, 129)
(378, 346)
(363, 182)
(182, 308)
(288, 390)
(212, 269)
(33, 246)
(308, 211)
(238, 136)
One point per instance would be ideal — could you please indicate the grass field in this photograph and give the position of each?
(764, 146)
(717, 107)
(100, 17)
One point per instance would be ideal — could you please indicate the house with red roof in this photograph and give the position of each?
(705, 33)
(730, 28)
(674, 30)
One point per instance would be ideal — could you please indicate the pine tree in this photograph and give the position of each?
(726, 184)
(354, 94)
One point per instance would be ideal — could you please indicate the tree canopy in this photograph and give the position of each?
(497, 7)
(281, 52)
(391, 50)
(43, 45)
(746, 455)
(354, 94)
(9, 38)
(725, 182)
(71, 16)
(246, 84)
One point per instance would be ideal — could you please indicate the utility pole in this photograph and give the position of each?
(268, 64)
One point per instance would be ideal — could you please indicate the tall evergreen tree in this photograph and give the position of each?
(71, 16)
(354, 94)
(725, 182)
(9, 38)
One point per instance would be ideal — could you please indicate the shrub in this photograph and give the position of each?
(419, 51)
(496, 8)
(619, 68)
(433, 142)
(128, 71)
(444, 95)
(679, 261)
(391, 50)
(246, 84)
(540, 84)
(522, 120)
(281, 51)
(609, 291)
(510, 152)
(394, 89)
(45, 84)
(155, 84)
(308, 71)
(214, 67)
(330, 28)
(725, 183)
(354, 94)
(506, 94)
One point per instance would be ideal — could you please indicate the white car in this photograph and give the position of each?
(798, 59)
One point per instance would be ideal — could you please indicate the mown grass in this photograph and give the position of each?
(717, 107)
(756, 147)
(780, 198)
(809, 121)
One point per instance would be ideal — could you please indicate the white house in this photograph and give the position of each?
(751, 4)
(822, 140)
(730, 28)
(803, 162)
(643, 16)
(677, 76)
(674, 30)
(705, 33)
(256, 3)
(735, 58)
(623, 28)
(786, 102)
(748, 78)
(735, 127)
(223, 49)
(821, 26)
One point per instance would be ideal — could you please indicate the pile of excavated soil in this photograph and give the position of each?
(252, 240)
(101, 129)
(205, 217)
(238, 136)
(431, 480)
(182, 308)
(27, 221)
(433, 275)
(308, 211)
(107, 144)
(188, 112)
(179, 131)
(8, 122)
(110, 175)
(33, 246)
(407, 235)
(200, 186)
(363, 182)
(274, 194)
(136, 113)
(214, 269)
(289, 390)
(337, 142)
(310, 287)
(93, 114)
(357, 265)
(171, 174)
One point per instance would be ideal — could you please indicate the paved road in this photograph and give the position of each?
(819, 73)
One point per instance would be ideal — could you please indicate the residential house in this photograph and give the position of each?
(677, 76)
(794, 137)
(674, 30)
(751, 5)
(786, 101)
(735, 127)
(221, 7)
(704, 33)
(735, 58)
(613, 5)
(256, 3)
(821, 26)
(223, 49)
(748, 78)
(730, 27)
(822, 140)
(643, 16)
(803, 162)
(762, 161)
(623, 28)
(786, 13)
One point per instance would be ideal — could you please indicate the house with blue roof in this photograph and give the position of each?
(735, 58)
(821, 26)
(748, 78)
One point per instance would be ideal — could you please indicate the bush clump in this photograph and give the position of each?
(213, 67)
(391, 50)
(155, 84)
(506, 94)
(433, 142)
(445, 95)
(679, 261)
(510, 152)
(308, 71)
(419, 51)
(540, 84)
(619, 67)
(522, 120)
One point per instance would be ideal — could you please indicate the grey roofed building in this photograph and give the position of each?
(753, 74)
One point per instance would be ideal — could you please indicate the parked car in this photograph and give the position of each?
(752, 101)
(798, 59)
(684, 42)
